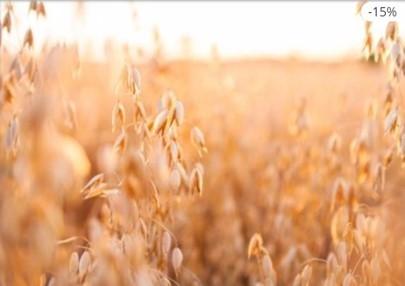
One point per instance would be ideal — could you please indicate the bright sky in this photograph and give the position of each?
(245, 28)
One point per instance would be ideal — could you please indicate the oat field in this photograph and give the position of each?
(192, 172)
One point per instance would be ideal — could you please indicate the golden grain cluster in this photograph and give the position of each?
(196, 173)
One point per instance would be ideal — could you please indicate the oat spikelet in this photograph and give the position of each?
(93, 182)
(33, 6)
(159, 122)
(401, 143)
(396, 53)
(12, 136)
(379, 178)
(368, 45)
(175, 179)
(297, 280)
(349, 280)
(306, 275)
(136, 77)
(270, 277)
(7, 22)
(255, 244)
(118, 115)
(391, 31)
(197, 138)
(30, 70)
(388, 156)
(391, 120)
(140, 111)
(381, 50)
(84, 264)
(166, 244)
(130, 80)
(29, 39)
(360, 5)
(179, 114)
(177, 260)
(196, 181)
(121, 142)
(71, 121)
(74, 263)
(182, 172)
(41, 9)
(174, 152)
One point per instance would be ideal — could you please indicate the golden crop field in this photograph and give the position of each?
(200, 172)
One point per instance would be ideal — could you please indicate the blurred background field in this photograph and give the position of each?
(304, 139)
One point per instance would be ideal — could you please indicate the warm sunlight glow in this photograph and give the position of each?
(202, 143)
(309, 29)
